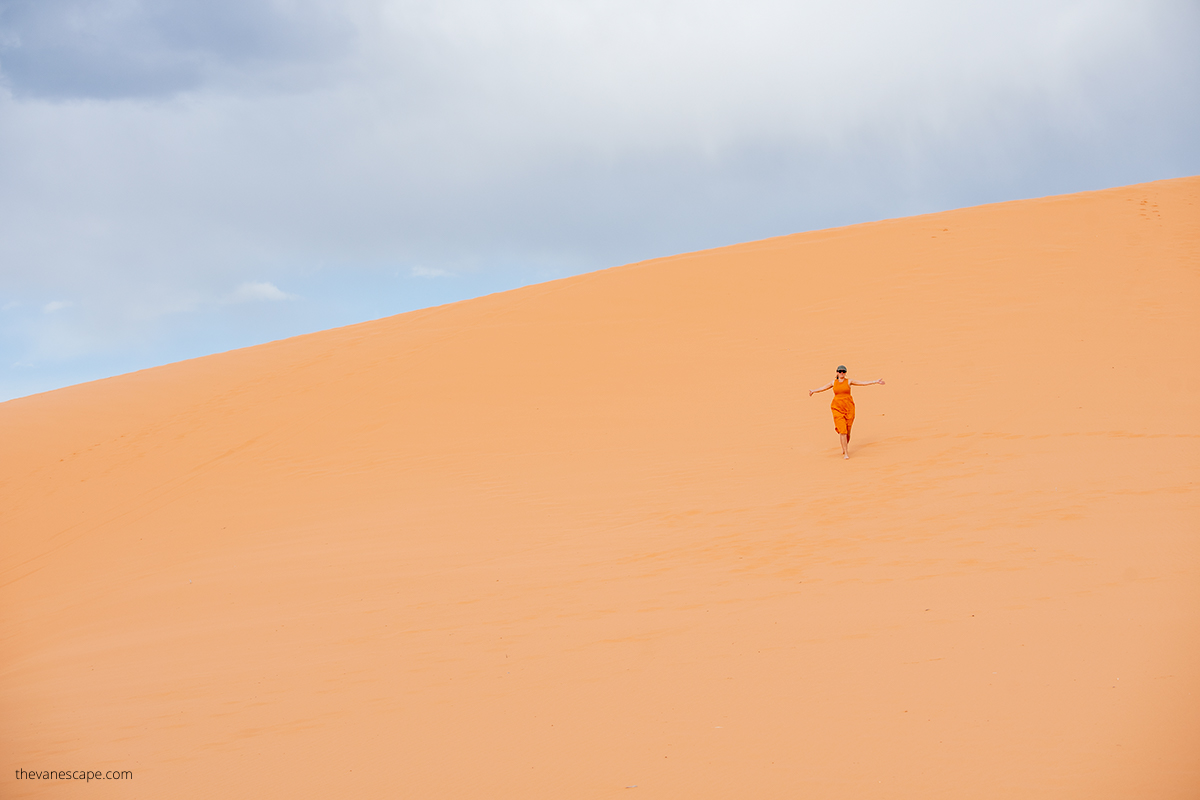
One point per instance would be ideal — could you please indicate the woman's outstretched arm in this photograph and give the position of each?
(829, 385)
(866, 383)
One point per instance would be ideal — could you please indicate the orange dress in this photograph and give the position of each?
(842, 406)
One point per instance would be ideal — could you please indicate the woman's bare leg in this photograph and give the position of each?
(845, 437)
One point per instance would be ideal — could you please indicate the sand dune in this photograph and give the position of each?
(593, 534)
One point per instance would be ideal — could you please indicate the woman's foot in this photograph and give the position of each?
(845, 456)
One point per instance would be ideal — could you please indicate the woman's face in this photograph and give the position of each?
(841, 373)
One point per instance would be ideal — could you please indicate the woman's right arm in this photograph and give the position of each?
(829, 385)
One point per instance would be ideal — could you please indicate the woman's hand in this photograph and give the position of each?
(880, 381)
(810, 392)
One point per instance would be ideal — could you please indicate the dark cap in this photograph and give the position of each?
(841, 368)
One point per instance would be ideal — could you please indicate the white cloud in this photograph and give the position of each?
(260, 290)
(431, 272)
(55, 305)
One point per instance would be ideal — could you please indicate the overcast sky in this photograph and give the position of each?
(180, 177)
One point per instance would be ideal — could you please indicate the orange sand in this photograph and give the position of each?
(593, 534)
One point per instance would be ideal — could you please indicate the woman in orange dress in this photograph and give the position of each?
(843, 404)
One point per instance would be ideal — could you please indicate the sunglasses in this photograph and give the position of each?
(841, 372)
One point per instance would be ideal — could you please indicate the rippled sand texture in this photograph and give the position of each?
(594, 534)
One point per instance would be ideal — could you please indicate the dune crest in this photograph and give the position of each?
(593, 534)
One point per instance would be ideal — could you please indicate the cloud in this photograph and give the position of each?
(430, 272)
(139, 48)
(55, 305)
(256, 291)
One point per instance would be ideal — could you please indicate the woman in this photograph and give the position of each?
(843, 404)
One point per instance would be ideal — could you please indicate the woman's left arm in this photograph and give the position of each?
(866, 383)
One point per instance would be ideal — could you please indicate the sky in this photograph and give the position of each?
(183, 177)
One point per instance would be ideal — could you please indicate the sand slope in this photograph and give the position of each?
(594, 534)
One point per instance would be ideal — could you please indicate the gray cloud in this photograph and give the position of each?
(138, 48)
(347, 151)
